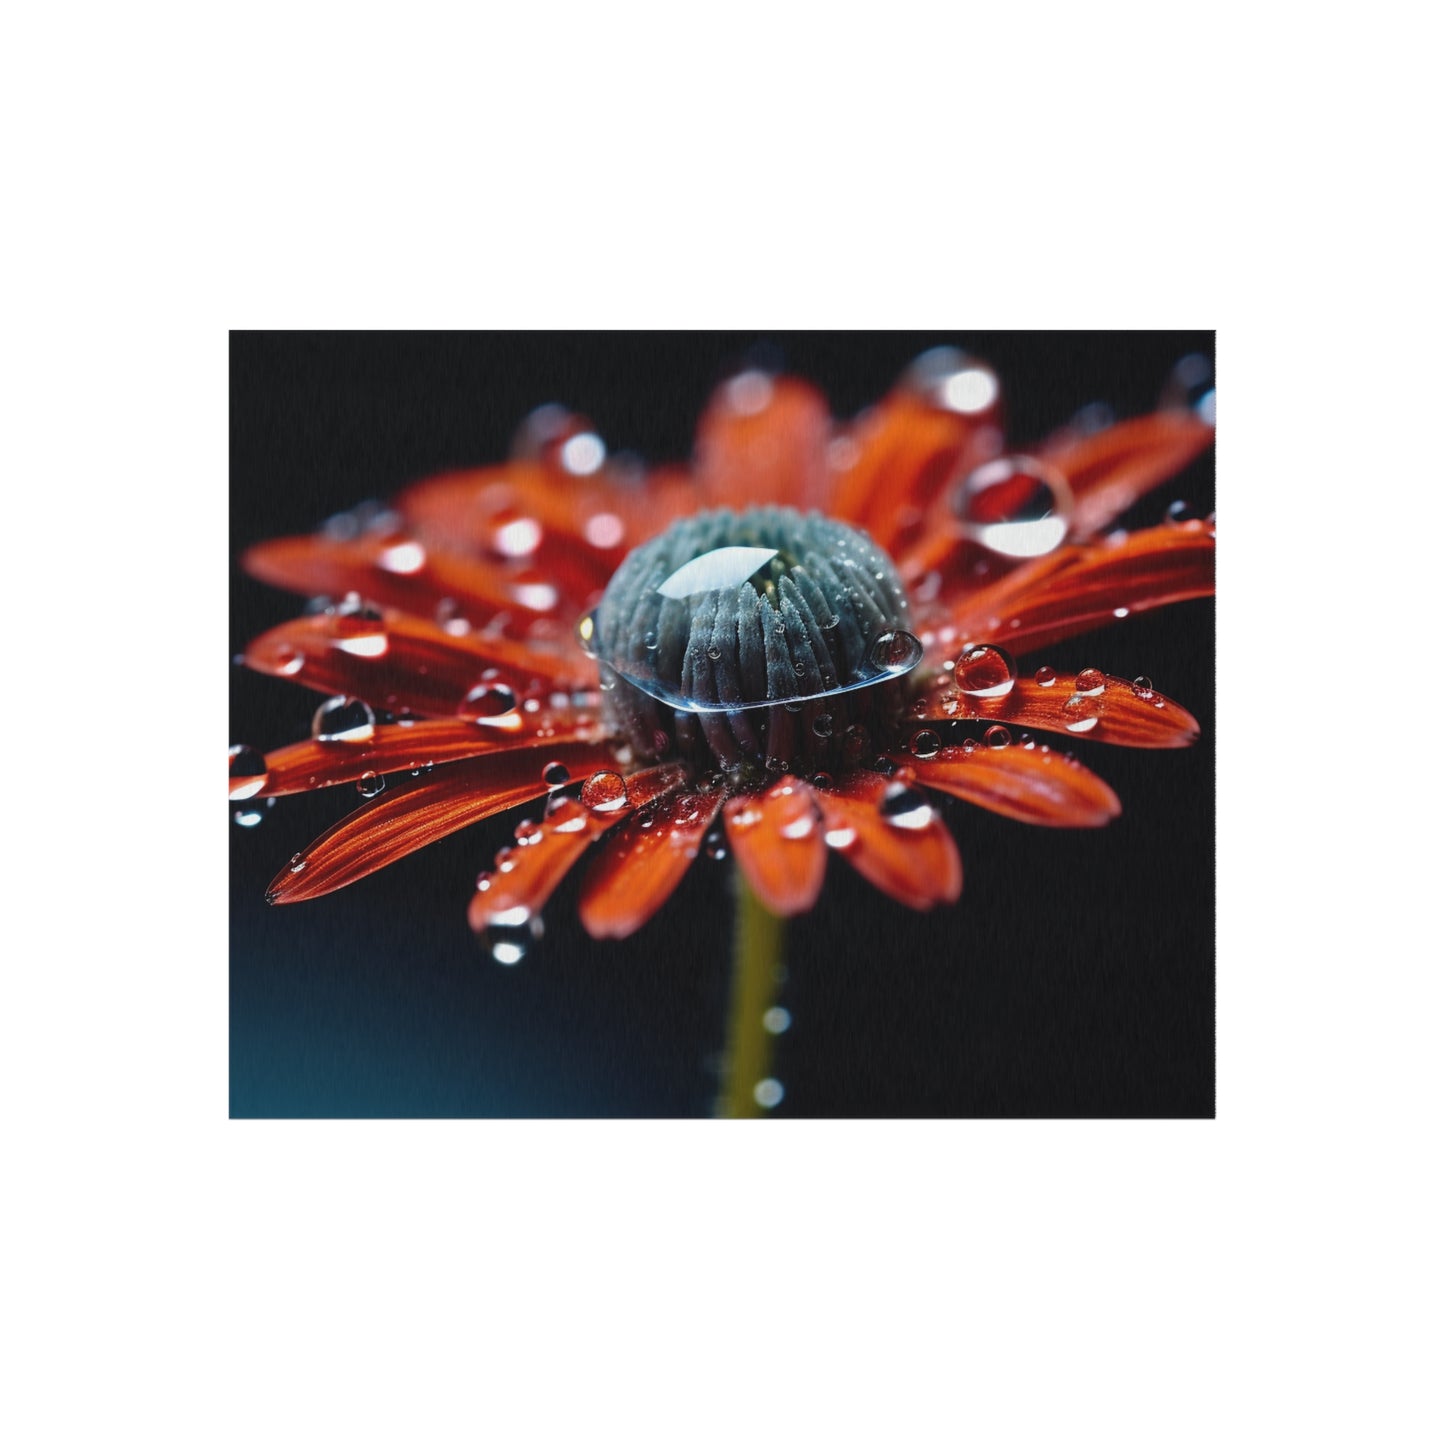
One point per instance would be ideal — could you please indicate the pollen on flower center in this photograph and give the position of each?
(758, 639)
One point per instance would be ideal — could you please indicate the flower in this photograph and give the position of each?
(492, 646)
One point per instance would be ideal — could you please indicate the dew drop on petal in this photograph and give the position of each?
(1046, 677)
(925, 743)
(716, 845)
(983, 671)
(528, 832)
(512, 935)
(583, 454)
(343, 720)
(488, 699)
(555, 774)
(248, 772)
(969, 745)
(1081, 712)
(821, 780)
(998, 736)
(405, 558)
(604, 793)
(843, 837)
(951, 380)
(1090, 682)
(370, 785)
(288, 661)
(904, 807)
(297, 863)
(253, 813)
(1178, 512)
(1015, 506)
(1143, 689)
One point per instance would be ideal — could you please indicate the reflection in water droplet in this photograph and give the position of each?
(488, 699)
(903, 807)
(896, 652)
(969, 745)
(512, 935)
(252, 813)
(823, 725)
(985, 672)
(404, 558)
(1090, 682)
(369, 785)
(1143, 689)
(925, 744)
(1046, 677)
(587, 634)
(842, 837)
(343, 720)
(1081, 712)
(1015, 506)
(953, 381)
(528, 833)
(768, 1093)
(297, 863)
(555, 774)
(248, 772)
(998, 736)
(776, 1020)
(288, 661)
(604, 793)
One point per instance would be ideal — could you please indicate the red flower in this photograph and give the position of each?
(462, 689)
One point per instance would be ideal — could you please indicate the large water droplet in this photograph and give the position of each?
(370, 785)
(488, 699)
(605, 793)
(1081, 712)
(1090, 682)
(248, 772)
(953, 381)
(343, 720)
(985, 672)
(925, 743)
(1046, 677)
(1191, 388)
(998, 736)
(1015, 506)
(896, 652)
(904, 807)
(555, 775)
(1143, 689)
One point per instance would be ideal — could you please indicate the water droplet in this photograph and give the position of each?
(252, 813)
(777, 1020)
(248, 772)
(514, 535)
(343, 720)
(528, 832)
(969, 745)
(404, 558)
(985, 672)
(1081, 712)
(583, 454)
(555, 774)
(369, 785)
(823, 725)
(587, 634)
(998, 736)
(649, 639)
(925, 744)
(716, 845)
(605, 793)
(904, 807)
(488, 699)
(1026, 741)
(828, 623)
(1015, 506)
(1090, 682)
(714, 653)
(896, 652)
(1143, 689)
(821, 780)
(297, 863)
(512, 935)
(1191, 388)
(1177, 513)
(768, 1093)
(953, 381)
(1046, 677)
(842, 837)
(1121, 613)
(288, 661)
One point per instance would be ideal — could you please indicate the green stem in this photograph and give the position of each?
(758, 970)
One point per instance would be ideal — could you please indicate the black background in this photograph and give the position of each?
(1074, 977)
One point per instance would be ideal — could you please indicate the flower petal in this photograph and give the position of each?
(404, 819)
(400, 747)
(406, 664)
(777, 839)
(1031, 785)
(1125, 714)
(1111, 469)
(909, 854)
(401, 572)
(640, 864)
(1079, 588)
(763, 439)
(898, 458)
(527, 875)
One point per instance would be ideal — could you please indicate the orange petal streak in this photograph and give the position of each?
(1110, 470)
(404, 819)
(526, 878)
(642, 862)
(407, 664)
(1077, 589)
(777, 838)
(914, 862)
(398, 747)
(1031, 785)
(1122, 714)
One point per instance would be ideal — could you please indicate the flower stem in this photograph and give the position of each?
(758, 939)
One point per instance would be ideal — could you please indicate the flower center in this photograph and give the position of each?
(754, 639)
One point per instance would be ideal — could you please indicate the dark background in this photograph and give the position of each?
(1074, 977)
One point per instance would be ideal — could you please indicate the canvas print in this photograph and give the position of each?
(722, 725)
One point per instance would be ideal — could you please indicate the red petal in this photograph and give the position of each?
(642, 862)
(778, 841)
(1110, 470)
(763, 440)
(527, 875)
(914, 862)
(398, 747)
(1122, 714)
(404, 819)
(897, 460)
(1029, 784)
(401, 572)
(1077, 589)
(406, 664)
